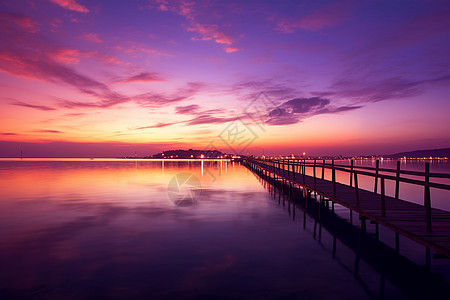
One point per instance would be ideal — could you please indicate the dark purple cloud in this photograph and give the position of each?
(142, 77)
(295, 110)
(8, 133)
(39, 107)
(188, 109)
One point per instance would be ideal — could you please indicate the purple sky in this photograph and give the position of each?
(110, 78)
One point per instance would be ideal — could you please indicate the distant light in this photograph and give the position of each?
(304, 153)
(192, 156)
(202, 156)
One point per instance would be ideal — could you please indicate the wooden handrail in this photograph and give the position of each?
(396, 177)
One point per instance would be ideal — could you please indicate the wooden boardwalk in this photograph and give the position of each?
(408, 219)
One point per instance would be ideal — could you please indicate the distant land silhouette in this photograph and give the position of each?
(190, 154)
(444, 152)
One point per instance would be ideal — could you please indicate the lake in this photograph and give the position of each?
(141, 229)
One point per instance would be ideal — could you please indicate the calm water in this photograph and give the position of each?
(117, 229)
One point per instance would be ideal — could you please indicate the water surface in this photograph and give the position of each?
(109, 229)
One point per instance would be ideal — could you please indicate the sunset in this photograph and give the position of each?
(102, 78)
(208, 149)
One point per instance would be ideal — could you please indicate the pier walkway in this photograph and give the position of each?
(427, 226)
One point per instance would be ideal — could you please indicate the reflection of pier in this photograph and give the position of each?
(421, 223)
(413, 280)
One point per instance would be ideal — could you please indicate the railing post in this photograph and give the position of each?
(351, 172)
(383, 199)
(356, 188)
(323, 169)
(427, 200)
(279, 168)
(304, 166)
(293, 169)
(304, 171)
(314, 173)
(333, 176)
(376, 176)
(397, 181)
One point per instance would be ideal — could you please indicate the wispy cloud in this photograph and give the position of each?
(231, 49)
(205, 32)
(157, 125)
(328, 15)
(71, 5)
(136, 49)
(142, 77)
(47, 131)
(8, 133)
(25, 23)
(210, 32)
(92, 37)
(188, 109)
(67, 56)
(24, 104)
(208, 119)
(382, 89)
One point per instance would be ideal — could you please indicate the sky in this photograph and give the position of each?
(104, 78)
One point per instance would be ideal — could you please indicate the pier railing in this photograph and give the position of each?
(297, 167)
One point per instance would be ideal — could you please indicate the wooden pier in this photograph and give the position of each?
(427, 226)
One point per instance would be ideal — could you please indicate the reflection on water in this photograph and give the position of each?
(108, 229)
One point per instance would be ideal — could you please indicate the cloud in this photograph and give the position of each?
(23, 22)
(47, 131)
(231, 49)
(153, 99)
(92, 37)
(211, 32)
(39, 107)
(295, 110)
(8, 133)
(106, 100)
(136, 50)
(329, 15)
(142, 77)
(188, 109)
(67, 56)
(208, 119)
(157, 125)
(206, 32)
(29, 55)
(382, 89)
(71, 5)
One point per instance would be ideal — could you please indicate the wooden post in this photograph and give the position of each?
(376, 176)
(304, 166)
(293, 170)
(356, 188)
(383, 199)
(333, 172)
(314, 173)
(427, 200)
(397, 182)
(323, 169)
(304, 169)
(351, 172)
